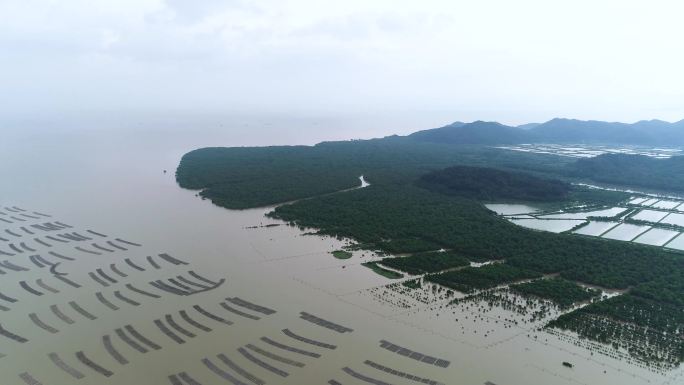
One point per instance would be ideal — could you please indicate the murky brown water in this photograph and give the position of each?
(113, 183)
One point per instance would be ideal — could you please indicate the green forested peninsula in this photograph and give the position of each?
(397, 216)
(239, 178)
(414, 205)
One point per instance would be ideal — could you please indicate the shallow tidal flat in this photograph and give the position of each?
(132, 314)
(497, 331)
(340, 292)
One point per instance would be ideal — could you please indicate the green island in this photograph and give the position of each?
(426, 196)
(384, 272)
(341, 254)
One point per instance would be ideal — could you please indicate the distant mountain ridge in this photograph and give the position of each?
(559, 130)
(478, 132)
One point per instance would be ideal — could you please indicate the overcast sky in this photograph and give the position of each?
(438, 60)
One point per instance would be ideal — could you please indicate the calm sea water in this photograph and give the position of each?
(113, 182)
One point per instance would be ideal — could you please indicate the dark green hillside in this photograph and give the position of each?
(632, 170)
(472, 133)
(490, 184)
(591, 131)
(644, 133)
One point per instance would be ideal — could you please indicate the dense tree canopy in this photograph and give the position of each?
(632, 170)
(430, 262)
(472, 278)
(391, 217)
(490, 184)
(239, 178)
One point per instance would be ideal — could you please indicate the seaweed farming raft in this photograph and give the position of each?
(414, 355)
(324, 323)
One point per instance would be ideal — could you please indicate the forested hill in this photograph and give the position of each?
(489, 184)
(651, 132)
(632, 170)
(473, 133)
